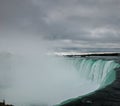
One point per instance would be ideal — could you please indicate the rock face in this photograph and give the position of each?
(3, 104)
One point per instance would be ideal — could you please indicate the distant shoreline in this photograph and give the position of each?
(73, 54)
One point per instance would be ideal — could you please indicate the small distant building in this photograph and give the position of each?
(3, 104)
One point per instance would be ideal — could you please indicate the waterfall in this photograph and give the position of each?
(95, 72)
(98, 71)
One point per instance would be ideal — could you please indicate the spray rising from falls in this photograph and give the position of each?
(28, 77)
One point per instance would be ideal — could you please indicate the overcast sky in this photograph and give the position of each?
(79, 23)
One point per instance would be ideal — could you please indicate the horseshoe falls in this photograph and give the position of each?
(97, 71)
(33, 82)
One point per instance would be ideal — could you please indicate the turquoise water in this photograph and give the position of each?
(99, 71)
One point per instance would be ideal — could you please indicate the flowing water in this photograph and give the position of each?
(98, 71)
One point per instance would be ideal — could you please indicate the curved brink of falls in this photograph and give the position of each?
(97, 71)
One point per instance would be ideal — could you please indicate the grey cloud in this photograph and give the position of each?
(64, 19)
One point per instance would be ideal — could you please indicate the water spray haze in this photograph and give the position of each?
(36, 78)
(30, 77)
